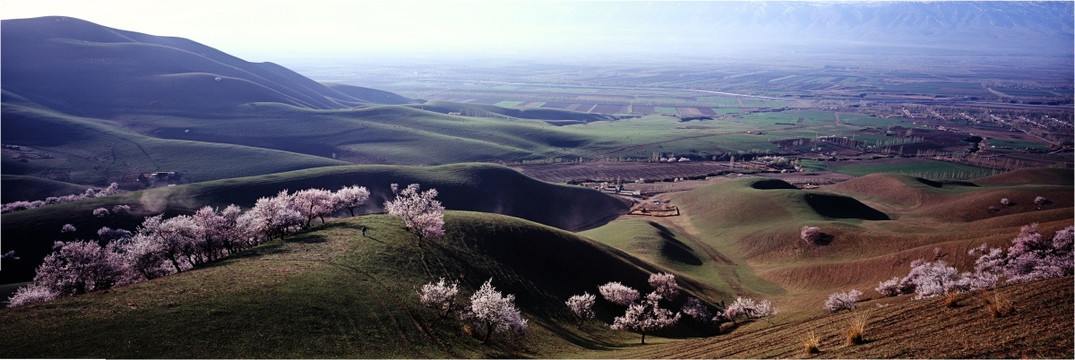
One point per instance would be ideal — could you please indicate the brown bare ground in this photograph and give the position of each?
(1041, 325)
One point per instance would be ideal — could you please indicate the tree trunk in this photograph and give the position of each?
(488, 331)
(175, 264)
(352, 210)
(643, 338)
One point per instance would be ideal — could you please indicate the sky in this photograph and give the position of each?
(271, 28)
(280, 30)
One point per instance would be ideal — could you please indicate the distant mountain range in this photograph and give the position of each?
(84, 69)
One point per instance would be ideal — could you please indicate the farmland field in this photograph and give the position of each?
(929, 169)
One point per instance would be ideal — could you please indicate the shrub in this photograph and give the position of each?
(32, 294)
(810, 234)
(929, 279)
(121, 209)
(889, 287)
(1040, 201)
(67, 228)
(100, 212)
(842, 301)
(749, 309)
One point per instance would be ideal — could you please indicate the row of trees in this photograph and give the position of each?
(491, 312)
(1031, 256)
(90, 193)
(162, 246)
(645, 315)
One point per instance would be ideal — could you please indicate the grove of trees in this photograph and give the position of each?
(1030, 257)
(161, 246)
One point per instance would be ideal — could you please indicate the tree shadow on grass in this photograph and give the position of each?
(824, 239)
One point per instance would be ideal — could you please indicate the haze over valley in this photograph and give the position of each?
(537, 179)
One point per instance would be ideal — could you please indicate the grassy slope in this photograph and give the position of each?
(1041, 326)
(332, 293)
(748, 238)
(754, 232)
(92, 152)
(19, 187)
(552, 116)
(378, 134)
(476, 187)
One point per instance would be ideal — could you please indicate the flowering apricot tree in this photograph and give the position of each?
(420, 211)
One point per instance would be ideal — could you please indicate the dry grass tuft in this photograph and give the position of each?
(998, 305)
(811, 344)
(951, 299)
(857, 328)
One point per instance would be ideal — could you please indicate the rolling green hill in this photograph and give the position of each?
(69, 75)
(741, 236)
(552, 116)
(85, 151)
(373, 96)
(376, 134)
(331, 292)
(29, 188)
(474, 187)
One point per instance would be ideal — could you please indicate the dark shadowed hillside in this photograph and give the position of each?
(474, 187)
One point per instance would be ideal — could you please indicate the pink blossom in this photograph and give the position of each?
(645, 317)
(842, 301)
(810, 234)
(420, 211)
(352, 197)
(664, 284)
(618, 293)
(439, 296)
(581, 306)
(493, 312)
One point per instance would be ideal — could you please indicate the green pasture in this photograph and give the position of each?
(929, 169)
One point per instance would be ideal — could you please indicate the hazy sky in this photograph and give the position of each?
(263, 29)
(281, 30)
